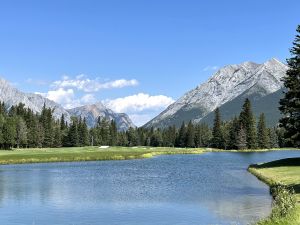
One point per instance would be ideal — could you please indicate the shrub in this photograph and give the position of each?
(284, 201)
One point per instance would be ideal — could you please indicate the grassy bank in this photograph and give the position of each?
(18, 156)
(250, 150)
(42, 155)
(286, 173)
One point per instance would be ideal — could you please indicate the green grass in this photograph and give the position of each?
(285, 172)
(18, 156)
(250, 150)
(42, 155)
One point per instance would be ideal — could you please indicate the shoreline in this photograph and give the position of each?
(81, 154)
(264, 172)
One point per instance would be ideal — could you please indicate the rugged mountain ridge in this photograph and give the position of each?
(225, 85)
(93, 111)
(12, 96)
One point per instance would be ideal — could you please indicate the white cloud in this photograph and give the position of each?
(67, 98)
(139, 102)
(81, 82)
(61, 95)
(209, 68)
(140, 107)
(142, 118)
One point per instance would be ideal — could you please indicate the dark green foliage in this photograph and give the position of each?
(20, 127)
(217, 139)
(9, 132)
(290, 104)
(190, 136)
(181, 138)
(247, 120)
(83, 133)
(73, 137)
(242, 138)
(234, 129)
(273, 138)
(263, 138)
(203, 135)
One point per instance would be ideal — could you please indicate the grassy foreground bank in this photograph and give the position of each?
(286, 173)
(18, 156)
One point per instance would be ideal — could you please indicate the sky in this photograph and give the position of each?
(136, 56)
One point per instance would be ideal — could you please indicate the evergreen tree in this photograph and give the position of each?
(21, 132)
(57, 137)
(2, 122)
(83, 135)
(247, 120)
(217, 139)
(181, 138)
(203, 135)
(132, 137)
(234, 130)
(273, 138)
(46, 121)
(156, 139)
(190, 135)
(290, 104)
(9, 132)
(262, 133)
(73, 138)
(113, 133)
(242, 138)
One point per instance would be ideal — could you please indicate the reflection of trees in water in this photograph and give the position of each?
(24, 184)
(241, 208)
(1, 188)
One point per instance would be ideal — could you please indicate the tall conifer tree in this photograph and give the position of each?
(290, 104)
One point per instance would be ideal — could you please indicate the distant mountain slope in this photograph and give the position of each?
(224, 86)
(92, 112)
(267, 104)
(12, 96)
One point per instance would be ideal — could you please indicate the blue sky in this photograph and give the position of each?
(135, 55)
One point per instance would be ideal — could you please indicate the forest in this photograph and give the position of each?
(22, 128)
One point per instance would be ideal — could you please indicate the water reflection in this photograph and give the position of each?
(212, 188)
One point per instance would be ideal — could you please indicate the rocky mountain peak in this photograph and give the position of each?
(226, 84)
(12, 96)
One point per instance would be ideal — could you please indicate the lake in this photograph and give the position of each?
(211, 188)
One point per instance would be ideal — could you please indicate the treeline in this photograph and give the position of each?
(20, 127)
(241, 132)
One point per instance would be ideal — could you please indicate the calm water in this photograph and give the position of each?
(212, 188)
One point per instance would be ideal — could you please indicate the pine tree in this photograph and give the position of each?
(73, 138)
(2, 122)
(234, 130)
(57, 137)
(181, 138)
(21, 132)
(290, 104)
(190, 135)
(132, 137)
(242, 138)
(203, 135)
(217, 139)
(247, 120)
(113, 133)
(262, 133)
(273, 138)
(9, 132)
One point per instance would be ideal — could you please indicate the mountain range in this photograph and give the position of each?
(12, 96)
(227, 89)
